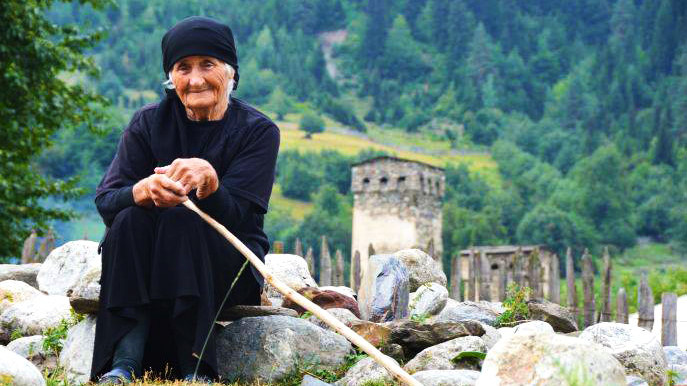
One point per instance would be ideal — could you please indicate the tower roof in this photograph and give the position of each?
(375, 159)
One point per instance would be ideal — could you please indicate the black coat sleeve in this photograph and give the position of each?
(132, 162)
(246, 186)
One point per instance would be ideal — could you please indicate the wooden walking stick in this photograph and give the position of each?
(299, 299)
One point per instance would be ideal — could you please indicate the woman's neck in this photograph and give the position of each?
(214, 113)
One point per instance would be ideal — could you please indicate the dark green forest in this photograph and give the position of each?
(581, 103)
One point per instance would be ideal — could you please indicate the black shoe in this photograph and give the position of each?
(116, 376)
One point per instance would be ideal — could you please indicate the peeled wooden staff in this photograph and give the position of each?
(299, 299)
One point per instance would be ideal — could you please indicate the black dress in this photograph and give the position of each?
(169, 261)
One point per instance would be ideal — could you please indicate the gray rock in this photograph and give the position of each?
(560, 318)
(21, 272)
(309, 380)
(415, 337)
(365, 370)
(77, 353)
(447, 377)
(440, 357)
(270, 347)
(674, 355)
(491, 336)
(636, 348)
(633, 380)
(343, 314)
(74, 263)
(455, 311)
(16, 370)
(549, 359)
(535, 326)
(240, 311)
(15, 291)
(343, 290)
(421, 267)
(290, 269)
(31, 348)
(428, 300)
(34, 316)
(383, 294)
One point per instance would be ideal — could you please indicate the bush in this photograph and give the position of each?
(311, 124)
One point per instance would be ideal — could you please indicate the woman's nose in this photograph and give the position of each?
(196, 80)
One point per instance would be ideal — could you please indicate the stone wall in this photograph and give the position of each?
(397, 205)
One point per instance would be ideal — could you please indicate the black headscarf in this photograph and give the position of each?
(197, 35)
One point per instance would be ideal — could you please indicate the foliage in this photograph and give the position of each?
(312, 124)
(420, 318)
(473, 357)
(329, 376)
(41, 63)
(515, 305)
(55, 336)
(16, 334)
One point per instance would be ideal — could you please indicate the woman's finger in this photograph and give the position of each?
(161, 169)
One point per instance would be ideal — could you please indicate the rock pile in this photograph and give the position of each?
(402, 308)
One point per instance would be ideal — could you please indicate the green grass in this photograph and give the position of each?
(298, 209)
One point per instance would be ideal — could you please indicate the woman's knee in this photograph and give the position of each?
(133, 218)
(177, 217)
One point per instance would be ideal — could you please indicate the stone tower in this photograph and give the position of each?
(397, 205)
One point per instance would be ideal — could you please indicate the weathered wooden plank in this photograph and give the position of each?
(310, 259)
(477, 275)
(606, 313)
(455, 279)
(555, 280)
(339, 271)
(485, 282)
(325, 277)
(589, 308)
(621, 314)
(355, 268)
(570, 280)
(298, 248)
(669, 319)
(645, 298)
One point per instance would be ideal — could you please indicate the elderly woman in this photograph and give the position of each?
(165, 272)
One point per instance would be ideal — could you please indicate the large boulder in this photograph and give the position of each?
(70, 265)
(344, 315)
(377, 334)
(560, 318)
(440, 357)
(77, 353)
(415, 337)
(16, 370)
(270, 347)
(21, 272)
(548, 359)
(290, 269)
(326, 299)
(490, 336)
(636, 348)
(36, 315)
(481, 311)
(421, 267)
(428, 300)
(447, 377)
(383, 294)
(366, 370)
(534, 326)
(31, 348)
(15, 291)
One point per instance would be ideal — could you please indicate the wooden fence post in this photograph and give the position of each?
(606, 313)
(485, 282)
(310, 259)
(455, 278)
(534, 273)
(325, 264)
(519, 268)
(339, 272)
(621, 315)
(356, 271)
(669, 319)
(570, 279)
(477, 267)
(588, 288)
(502, 280)
(555, 280)
(645, 298)
(28, 253)
(298, 248)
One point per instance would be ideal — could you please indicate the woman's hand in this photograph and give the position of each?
(159, 190)
(192, 173)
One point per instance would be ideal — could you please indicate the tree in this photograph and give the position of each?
(35, 102)
(311, 123)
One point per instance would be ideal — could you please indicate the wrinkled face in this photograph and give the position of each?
(200, 81)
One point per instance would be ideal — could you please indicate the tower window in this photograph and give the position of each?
(366, 183)
(401, 182)
(383, 180)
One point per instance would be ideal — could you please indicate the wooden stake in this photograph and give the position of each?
(621, 314)
(669, 319)
(588, 288)
(356, 272)
(455, 278)
(310, 259)
(339, 272)
(645, 298)
(570, 279)
(554, 280)
(606, 315)
(485, 272)
(298, 249)
(472, 278)
(325, 277)
(299, 299)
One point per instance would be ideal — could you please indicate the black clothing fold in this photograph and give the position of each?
(168, 259)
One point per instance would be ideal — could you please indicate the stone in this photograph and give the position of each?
(238, 312)
(455, 311)
(31, 348)
(674, 355)
(633, 380)
(395, 351)
(535, 326)
(343, 290)
(378, 335)
(636, 348)
(74, 263)
(439, 357)
(415, 337)
(85, 294)
(77, 353)
(384, 290)
(560, 318)
(325, 299)
(309, 380)
(18, 371)
(548, 359)
(290, 269)
(36, 315)
(344, 315)
(429, 299)
(490, 336)
(365, 370)
(15, 291)
(422, 268)
(447, 377)
(20, 272)
(270, 347)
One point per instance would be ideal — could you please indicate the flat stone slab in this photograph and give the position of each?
(22, 272)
